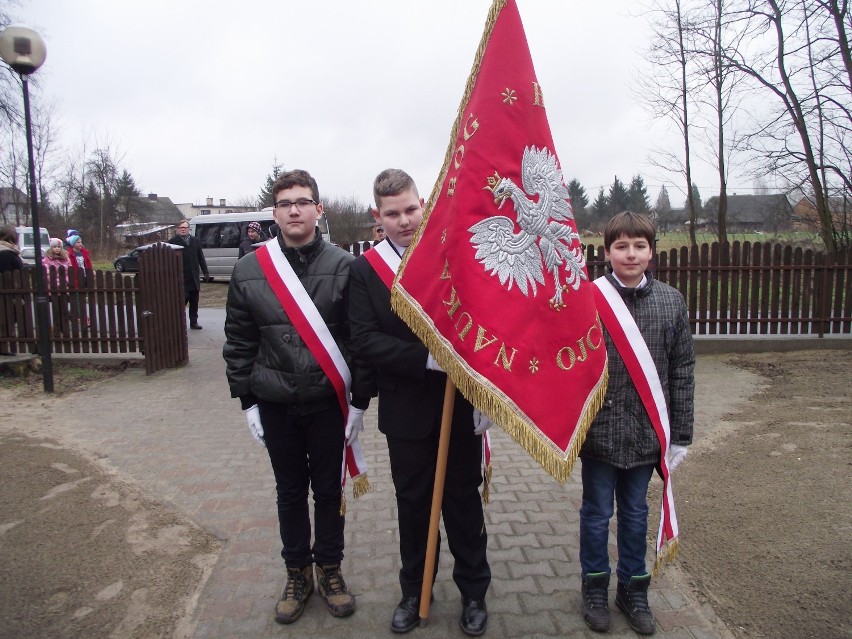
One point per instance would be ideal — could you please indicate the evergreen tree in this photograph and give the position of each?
(601, 207)
(577, 195)
(697, 197)
(619, 199)
(265, 197)
(663, 209)
(638, 195)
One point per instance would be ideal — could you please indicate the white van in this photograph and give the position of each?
(220, 235)
(26, 242)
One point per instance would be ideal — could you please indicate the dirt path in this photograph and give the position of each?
(763, 502)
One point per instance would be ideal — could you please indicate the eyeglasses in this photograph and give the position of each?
(301, 204)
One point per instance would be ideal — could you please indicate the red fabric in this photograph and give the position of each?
(483, 321)
(380, 266)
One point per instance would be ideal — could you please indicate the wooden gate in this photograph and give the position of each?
(161, 308)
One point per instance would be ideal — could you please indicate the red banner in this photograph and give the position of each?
(495, 282)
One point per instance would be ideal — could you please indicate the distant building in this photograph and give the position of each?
(752, 213)
(14, 206)
(805, 216)
(150, 218)
(189, 210)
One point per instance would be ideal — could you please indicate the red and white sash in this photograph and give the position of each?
(308, 322)
(385, 263)
(637, 359)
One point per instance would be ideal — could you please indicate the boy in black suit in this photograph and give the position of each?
(411, 389)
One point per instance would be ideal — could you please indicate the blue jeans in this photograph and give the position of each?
(630, 487)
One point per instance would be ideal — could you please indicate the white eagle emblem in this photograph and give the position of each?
(545, 241)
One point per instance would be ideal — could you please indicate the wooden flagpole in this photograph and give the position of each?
(437, 499)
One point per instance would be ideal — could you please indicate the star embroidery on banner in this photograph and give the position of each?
(534, 365)
(509, 96)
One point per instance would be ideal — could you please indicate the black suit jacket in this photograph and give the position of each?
(410, 397)
(193, 262)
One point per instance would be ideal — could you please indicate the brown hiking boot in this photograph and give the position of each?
(333, 589)
(300, 585)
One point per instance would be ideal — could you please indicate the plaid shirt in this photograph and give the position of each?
(622, 434)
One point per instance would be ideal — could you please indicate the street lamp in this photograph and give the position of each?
(23, 50)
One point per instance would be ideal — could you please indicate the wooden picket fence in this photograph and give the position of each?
(755, 288)
(101, 312)
(730, 289)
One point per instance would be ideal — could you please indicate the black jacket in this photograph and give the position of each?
(266, 357)
(193, 262)
(410, 397)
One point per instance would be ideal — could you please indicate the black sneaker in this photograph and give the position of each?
(632, 599)
(595, 591)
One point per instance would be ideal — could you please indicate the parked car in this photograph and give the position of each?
(26, 242)
(129, 263)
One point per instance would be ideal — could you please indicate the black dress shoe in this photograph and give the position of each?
(474, 617)
(407, 615)
(196, 327)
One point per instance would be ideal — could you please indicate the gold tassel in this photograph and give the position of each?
(342, 504)
(486, 484)
(361, 486)
(668, 553)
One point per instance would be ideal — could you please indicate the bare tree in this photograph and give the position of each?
(349, 220)
(713, 33)
(666, 88)
(799, 56)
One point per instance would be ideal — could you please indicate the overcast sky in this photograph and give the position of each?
(200, 97)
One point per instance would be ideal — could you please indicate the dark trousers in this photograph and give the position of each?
(306, 450)
(602, 481)
(413, 470)
(191, 298)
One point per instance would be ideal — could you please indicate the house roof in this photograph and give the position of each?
(154, 209)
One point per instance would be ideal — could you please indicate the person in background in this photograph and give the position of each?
(193, 265)
(68, 234)
(623, 446)
(378, 234)
(411, 393)
(254, 235)
(57, 258)
(10, 254)
(81, 260)
(81, 263)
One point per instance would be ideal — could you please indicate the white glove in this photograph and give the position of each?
(432, 365)
(354, 424)
(676, 456)
(481, 423)
(255, 427)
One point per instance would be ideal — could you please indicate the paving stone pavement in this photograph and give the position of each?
(183, 439)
